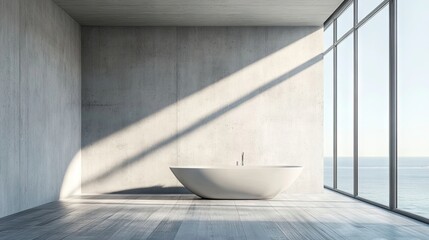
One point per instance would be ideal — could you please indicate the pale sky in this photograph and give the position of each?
(413, 85)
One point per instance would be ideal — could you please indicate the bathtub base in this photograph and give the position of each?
(238, 183)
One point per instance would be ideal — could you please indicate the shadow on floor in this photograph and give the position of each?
(154, 190)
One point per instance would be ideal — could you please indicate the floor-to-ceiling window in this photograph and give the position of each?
(373, 107)
(345, 114)
(328, 122)
(377, 103)
(413, 106)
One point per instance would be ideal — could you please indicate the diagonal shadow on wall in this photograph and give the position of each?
(202, 122)
(131, 73)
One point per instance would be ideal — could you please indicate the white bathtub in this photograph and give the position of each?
(238, 182)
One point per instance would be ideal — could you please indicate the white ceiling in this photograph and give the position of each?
(200, 12)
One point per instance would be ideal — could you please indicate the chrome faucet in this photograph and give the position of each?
(242, 159)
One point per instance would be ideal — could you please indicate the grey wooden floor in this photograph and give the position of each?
(317, 216)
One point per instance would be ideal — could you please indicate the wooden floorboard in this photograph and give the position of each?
(183, 217)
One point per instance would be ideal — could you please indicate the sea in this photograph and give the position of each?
(413, 180)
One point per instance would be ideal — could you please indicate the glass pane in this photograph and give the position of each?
(345, 21)
(366, 6)
(373, 117)
(345, 114)
(413, 107)
(328, 36)
(328, 124)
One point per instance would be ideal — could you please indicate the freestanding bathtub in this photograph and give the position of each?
(239, 182)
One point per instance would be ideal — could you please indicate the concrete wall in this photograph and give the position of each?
(155, 97)
(40, 79)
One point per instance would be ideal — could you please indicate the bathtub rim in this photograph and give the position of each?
(238, 167)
